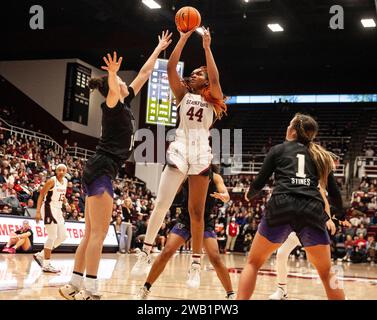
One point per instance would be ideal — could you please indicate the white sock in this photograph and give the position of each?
(76, 280)
(195, 258)
(91, 285)
(46, 262)
(283, 286)
(147, 249)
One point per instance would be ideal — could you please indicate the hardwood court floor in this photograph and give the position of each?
(22, 278)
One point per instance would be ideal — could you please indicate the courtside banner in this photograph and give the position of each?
(75, 231)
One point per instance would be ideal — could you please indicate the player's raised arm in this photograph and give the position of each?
(176, 85)
(213, 73)
(112, 67)
(164, 41)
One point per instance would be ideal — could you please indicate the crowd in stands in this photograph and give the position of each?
(359, 240)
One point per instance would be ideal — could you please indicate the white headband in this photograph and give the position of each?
(61, 165)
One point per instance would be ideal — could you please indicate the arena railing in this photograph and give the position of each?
(18, 158)
(365, 166)
(342, 139)
(58, 148)
(79, 152)
(26, 131)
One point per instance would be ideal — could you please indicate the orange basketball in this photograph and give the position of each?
(187, 18)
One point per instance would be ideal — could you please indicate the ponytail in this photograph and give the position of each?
(218, 104)
(101, 84)
(324, 161)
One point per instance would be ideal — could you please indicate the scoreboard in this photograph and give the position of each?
(77, 92)
(161, 105)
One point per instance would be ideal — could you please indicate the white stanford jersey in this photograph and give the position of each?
(191, 152)
(55, 196)
(196, 117)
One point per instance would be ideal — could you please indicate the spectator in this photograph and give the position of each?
(359, 253)
(2, 177)
(69, 192)
(75, 203)
(362, 207)
(355, 221)
(372, 205)
(12, 200)
(360, 242)
(6, 210)
(115, 212)
(80, 202)
(369, 153)
(21, 240)
(371, 248)
(348, 244)
(81, 217)
(30, 204)
(232, 232)
(74, 216)
(76, 178)
(361, 229)
(117, 223)
(374, 219)
(4, 191)
(247, 242)
(6, 177)
(2, 139)
(365, 220)
(127, 210)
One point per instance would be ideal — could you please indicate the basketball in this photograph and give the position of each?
(187, 19)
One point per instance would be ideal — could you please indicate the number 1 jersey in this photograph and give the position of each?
(295, 171)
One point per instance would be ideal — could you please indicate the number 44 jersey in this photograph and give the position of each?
(190, 152)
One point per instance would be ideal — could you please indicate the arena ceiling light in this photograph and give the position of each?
(368, 23)
(275, 27)
(151, 4)
(200, 30)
